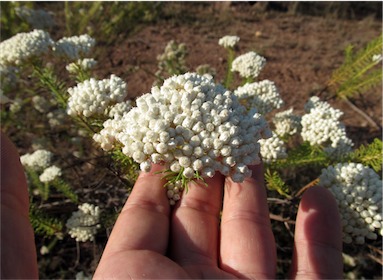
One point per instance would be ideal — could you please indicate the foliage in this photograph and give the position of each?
(105, 20)
(275, 182)
(370, 155)
(11, 24)
(358, 73)
(303, 155)
(43, 224)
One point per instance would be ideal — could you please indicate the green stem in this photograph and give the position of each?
(229, 73)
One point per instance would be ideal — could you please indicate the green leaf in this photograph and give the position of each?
(276, 183)
(357, 73)
(370, 155)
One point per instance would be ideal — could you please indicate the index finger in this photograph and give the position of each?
(247, 242)
(143, 223)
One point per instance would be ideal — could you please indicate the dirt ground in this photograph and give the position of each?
(302, 51)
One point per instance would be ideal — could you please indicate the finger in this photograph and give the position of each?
(318, 237)
(195, 224)
(143, 223)
(18, 252)
(247, 242)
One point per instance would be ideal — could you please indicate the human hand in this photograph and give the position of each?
(18, 253)
(150, 240)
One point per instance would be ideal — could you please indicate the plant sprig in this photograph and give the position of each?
(172, 177)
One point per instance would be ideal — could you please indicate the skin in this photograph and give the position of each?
(151, 240)
(18, 252)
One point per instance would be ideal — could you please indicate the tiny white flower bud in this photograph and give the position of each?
(184, 161)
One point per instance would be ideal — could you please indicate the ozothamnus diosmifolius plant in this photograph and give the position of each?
(192, 124)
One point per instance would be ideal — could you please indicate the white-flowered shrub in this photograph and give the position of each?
(358, 192)
(263, 95)
(84, 223)
(248, 65)
(94, 97)
(24, 46)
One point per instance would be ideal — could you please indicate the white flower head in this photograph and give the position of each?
(286, 123)
(93, 97)
(228, 41)
(321, 126)
(358, 192)
(39, 19)
(248, 65)
(191, 125)
(37, 160)
(50, 173)
(81, 64)
(74, 47)
(262, 95)
(23, 46)
(84, 223)
(272, 149)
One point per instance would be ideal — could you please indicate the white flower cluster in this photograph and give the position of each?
(321, 126)
(286, 123)
(358, 192)
(262, 95)
(93, 96)
(81, 64)
(191, 125)
(37, 160)
(173, 51)
(39, 19)
(174, 191)
(228, 41)
(84, 223)
(50, 174)
(23, 46)
(41, 104)
(248, 65)
(172, 60)
(74, 47)
(119, 109)
(272, 149)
